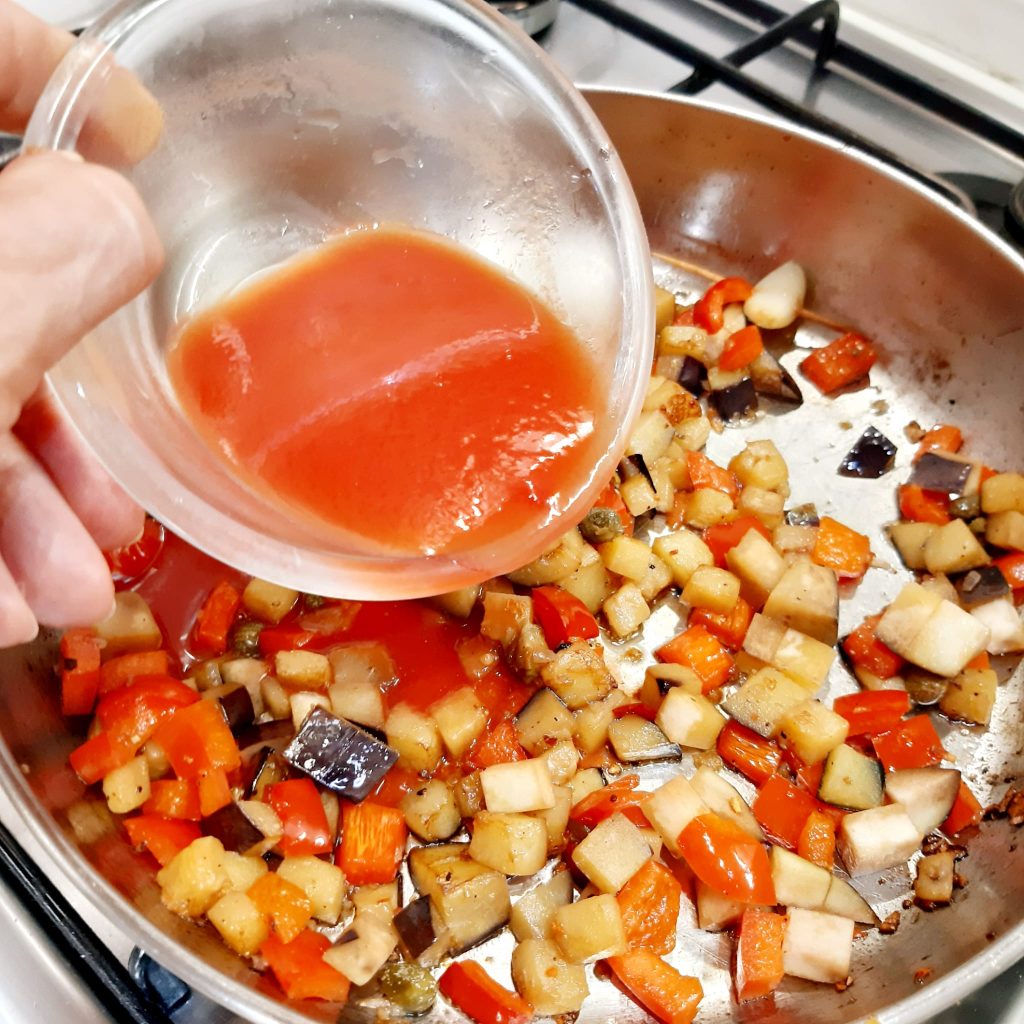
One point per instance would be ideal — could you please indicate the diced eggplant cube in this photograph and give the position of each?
(533, 914)
(556, 819)
(722, 797)
(812, 731)
(910, 539)
(546, 980)
(817, 947)
(692, 375)
(716, 912)
(514, 844)
(798, 882)
(360, 957)
(970, 696)
(953, 548)
(431, 812)
(238, 708)
(1006, 530)
(844, 901)
(590, 929)
(233, 828)
(472, 910)
(1003, 492)
(460, 718)
(1003, 622)
(771, 378)
(876, 839)
(806, 599)
(981, 585)
(803, 515)
(611, 854)
(871, 457)
(339, 755)
(736, 401)
(764, 700)
(544, 720)
(585, 782)
(636, 740)
(578, 674)
(322, 882)
(415, 928)
(672, 807)
(927, 794)
(936, 472)
(689, 719)
(851, 779)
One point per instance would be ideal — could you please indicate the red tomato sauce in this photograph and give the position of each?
(396, 386)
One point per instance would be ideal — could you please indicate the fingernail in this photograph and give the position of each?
(67, 154)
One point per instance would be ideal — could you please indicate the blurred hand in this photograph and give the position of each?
(75, 244)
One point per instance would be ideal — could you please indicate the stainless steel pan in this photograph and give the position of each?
(721, 192)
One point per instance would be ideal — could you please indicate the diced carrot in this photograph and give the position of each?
(751, 755)
(164, 838)
(872, 711)
(839, 548)
(782, 810)
(817, 842)
(174, 798)
(618, 797)
(966, 811)
(121, 671)
(372, 843)
(741, 348)
(759, 954)
(864, 649)
(499, 746)
(923, 506)
(697, 649)
(610, 498)
(80, 671)
(843, 361)
(657, 986)
(729, 627)
(472, 990)
(214, 791)
(705, 473)
(286, 905)
(707, 312)
(723, 537)
(215, 619)
(941, 438)
(649, 903)
(913, 744)
(301, 970)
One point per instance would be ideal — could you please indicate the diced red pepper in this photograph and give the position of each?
(782, 810)
(723, 537)
(123, 670)
(215, 619)
(618, 797)
(98, 757)
(705, 473)
(923, 506)
(499, 746)
(473, 991)
(303, 818)
(727, 859)
(649, 903)
(872, 711)
(174, 798)
(841, 549)
(980, 662)
(164, 838)
(707, 312)
(843, 361)
(80, 675)
(129, 563)
(683, 317)
(1012, 568)
(817, 842)
(329, 624)
(395, 784)
(806, 776)
(941, 438)
(372, 843)
(132, 714)
(610, 498)
(562, 616)
(286, 905)
(759, 967)
(214, 792)
(300, 968)
(913, 744)
(289, 636)
(697, 649)
(751, 755)
(741, 348)
(865, 650)
(657, 986)
(966, 811)
(729, 627)
(197, 739)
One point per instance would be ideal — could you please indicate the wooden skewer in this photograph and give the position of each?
(710, 275)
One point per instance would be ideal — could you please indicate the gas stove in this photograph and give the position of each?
(945, 121)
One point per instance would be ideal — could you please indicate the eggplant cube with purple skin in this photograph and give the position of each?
(339, 755)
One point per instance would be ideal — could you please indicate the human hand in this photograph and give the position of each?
(76, 243)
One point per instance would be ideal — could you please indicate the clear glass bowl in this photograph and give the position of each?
(287, 120)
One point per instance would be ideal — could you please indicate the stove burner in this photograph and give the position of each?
(532, 16)
(999, 205)
(1015, 212)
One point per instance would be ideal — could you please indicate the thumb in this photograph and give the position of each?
(77, 244)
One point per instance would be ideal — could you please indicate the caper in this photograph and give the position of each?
(246, 639)
(601, 525)
(924, 688)
(410, 987)
(967, 506)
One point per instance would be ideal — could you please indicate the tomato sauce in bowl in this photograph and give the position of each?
(395, 386)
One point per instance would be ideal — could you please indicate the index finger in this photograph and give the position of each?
(124, 122)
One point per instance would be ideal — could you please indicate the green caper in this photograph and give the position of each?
(312, 601)
(924, 688)
(245, 639)
(967, 506)
(410, 987)
(601, 526)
